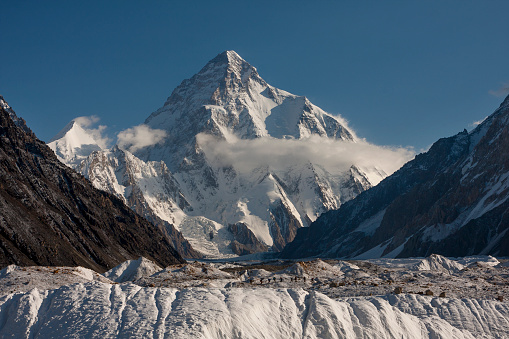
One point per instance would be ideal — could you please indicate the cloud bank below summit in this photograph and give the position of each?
(246, 155)
(131, 139)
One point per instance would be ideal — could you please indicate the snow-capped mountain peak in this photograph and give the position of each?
(233, 64)
(247, 163)
(228, 97)
(73, 144)
(216, 81)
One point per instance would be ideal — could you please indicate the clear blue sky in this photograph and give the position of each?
(402, 72)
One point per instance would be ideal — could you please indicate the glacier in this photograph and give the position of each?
(376, 298)
(102, 310)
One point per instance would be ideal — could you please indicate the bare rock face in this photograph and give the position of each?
(283, 225)
(177, 239)
(452, 200)
(51, 215)
(245, 242)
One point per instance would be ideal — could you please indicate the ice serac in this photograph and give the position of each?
(132, 269)
(227, 103)
(51, 215)
(451, 200)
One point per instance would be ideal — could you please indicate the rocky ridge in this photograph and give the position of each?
(147, 187)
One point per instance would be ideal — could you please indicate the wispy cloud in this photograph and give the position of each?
(502, 91)
(137, 137)
(98, 133)
(478, 122)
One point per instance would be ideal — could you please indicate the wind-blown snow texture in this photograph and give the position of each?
(221, 130)
(98, 310)
(451, 200)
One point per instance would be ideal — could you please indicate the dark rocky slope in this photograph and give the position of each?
(451, 200)
(50, 215)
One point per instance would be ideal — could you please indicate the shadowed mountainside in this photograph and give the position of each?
(51, 215)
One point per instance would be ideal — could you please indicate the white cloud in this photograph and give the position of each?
(478, 122)
(502, 91)
(137, 137)
(279, 154)
(86, 122)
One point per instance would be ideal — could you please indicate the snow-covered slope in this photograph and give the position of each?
(438, 263)
(136, 182)
(73, 144)
(147, 187)
(102, 310)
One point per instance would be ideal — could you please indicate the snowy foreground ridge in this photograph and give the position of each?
(382, 298)
(100, 310)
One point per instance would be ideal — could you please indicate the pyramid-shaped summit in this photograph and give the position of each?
(229, 62)
(230, 58)
(228, 97)
(73, 144)
(219, 82)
